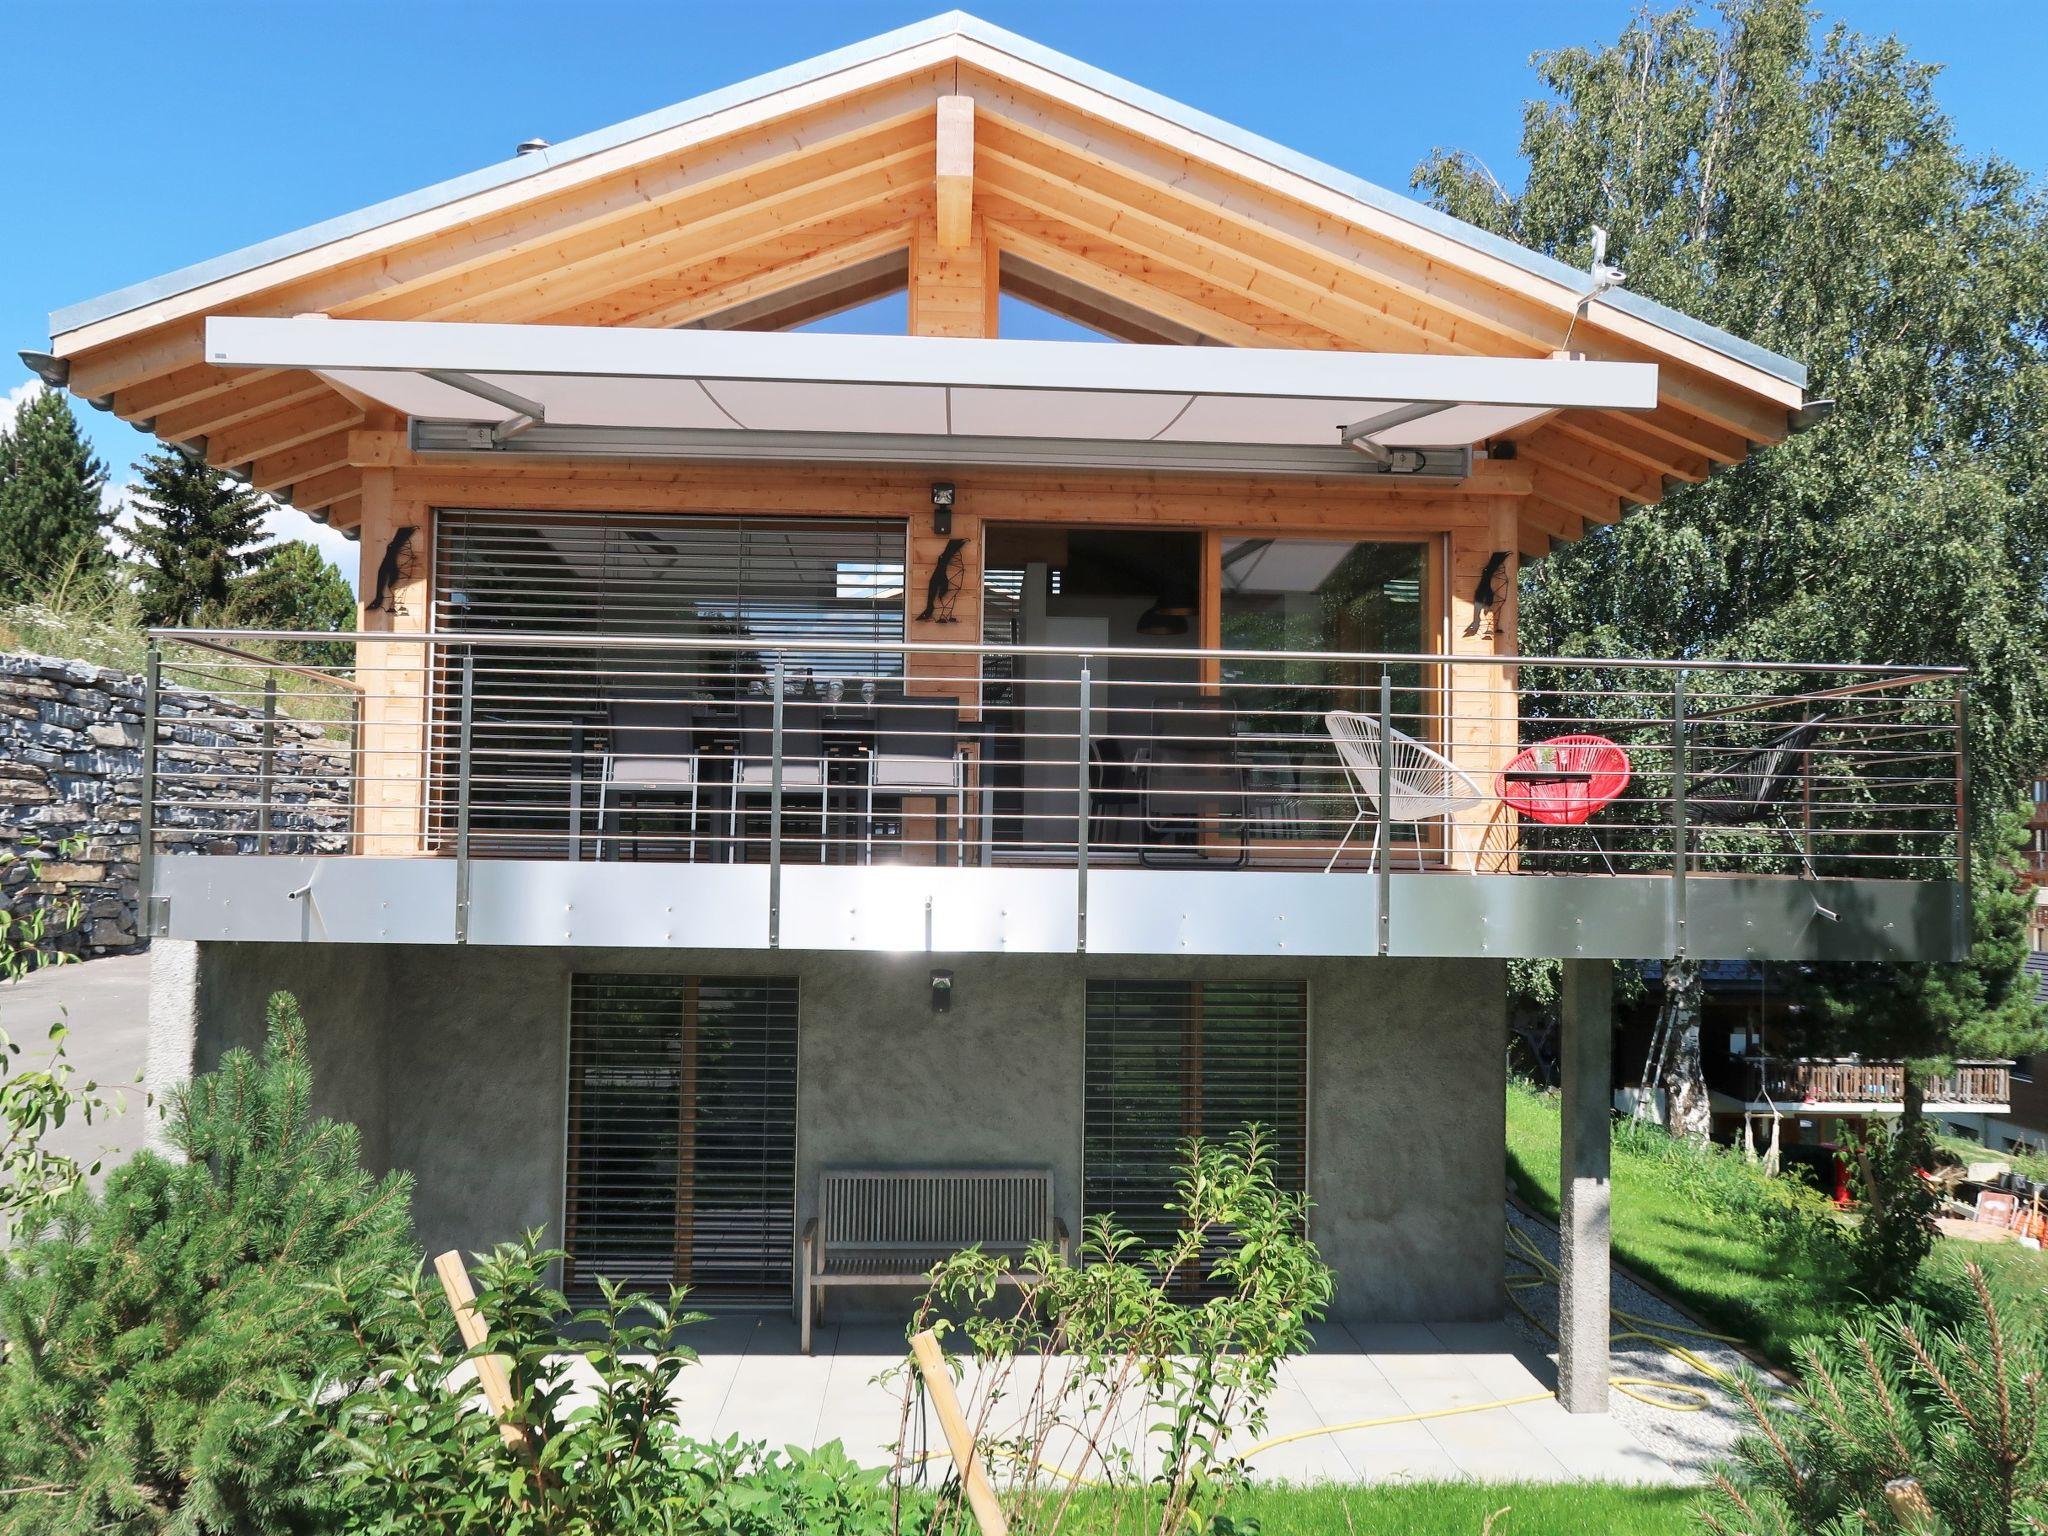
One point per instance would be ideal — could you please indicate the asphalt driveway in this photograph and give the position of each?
(105, 1003)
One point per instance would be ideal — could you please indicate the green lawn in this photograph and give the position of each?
(1426, 1509)
(1699, 1224)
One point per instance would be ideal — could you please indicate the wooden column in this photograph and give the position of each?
(391, 811)
(1479, 703)
(952, 293)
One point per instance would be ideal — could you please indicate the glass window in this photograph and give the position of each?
(1323, 596)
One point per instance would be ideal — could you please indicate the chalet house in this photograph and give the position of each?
(958, 765)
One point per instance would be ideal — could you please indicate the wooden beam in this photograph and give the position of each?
(1688, 433)
(326, 488)
(1563, 490)
(1117, 272)
(100, 374)
(952, 294)
(300, 462)
(786, 260)
(954, 177)
(1599, 469)
(1612, 432)
(167, 391)
(724, 146)
(231, 407)
(346, 514)
(280, 430)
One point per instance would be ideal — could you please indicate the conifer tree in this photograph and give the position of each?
(158, 1332)
(297, 587)
(196, 535)
(51, 516)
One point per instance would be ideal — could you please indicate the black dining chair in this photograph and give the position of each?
(918, 756)
(1191, 782)
(650, 754)
(803, 758)
(1752, 790)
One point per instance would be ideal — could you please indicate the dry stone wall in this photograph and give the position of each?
(71, 777)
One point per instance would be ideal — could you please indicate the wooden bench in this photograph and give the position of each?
(889, 1226)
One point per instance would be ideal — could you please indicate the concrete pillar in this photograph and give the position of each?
(173, 1029)
(1585, 1077)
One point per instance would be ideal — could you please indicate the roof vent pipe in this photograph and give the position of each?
(532, 146)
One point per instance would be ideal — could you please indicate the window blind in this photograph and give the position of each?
(1166, 1060)
(681, 1162)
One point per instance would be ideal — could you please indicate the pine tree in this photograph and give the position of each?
(158, 1331)
(296, 587)
(196, 535)
(51, 517)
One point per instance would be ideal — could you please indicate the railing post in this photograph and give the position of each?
(145, 853)
(1084, 803)
(1680, 820)
(1963, 871)
(266, 745)
(1385, 834)
(462, 776)
(775, 808)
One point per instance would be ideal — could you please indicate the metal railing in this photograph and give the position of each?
(1792, 1081)
(561, 746)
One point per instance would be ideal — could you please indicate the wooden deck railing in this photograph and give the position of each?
(1879, 1082)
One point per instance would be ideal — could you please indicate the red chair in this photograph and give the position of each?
(1564, 781)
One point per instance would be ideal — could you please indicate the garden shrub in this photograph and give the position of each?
(1898, 1424)
(414, 1451)
(1183, 1341)
(159, 1333)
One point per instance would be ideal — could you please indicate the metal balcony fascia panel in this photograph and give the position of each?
(541, 902)
(1736, 918)
(282, 899)
(1592, 917)
(1235, 912)
(906, 909)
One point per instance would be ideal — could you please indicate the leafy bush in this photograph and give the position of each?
(1898, 1424)
(590, 1446)
(1896, 1231)
(1190, 1371)
(159, 1332)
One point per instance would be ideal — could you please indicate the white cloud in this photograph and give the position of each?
(12, 402)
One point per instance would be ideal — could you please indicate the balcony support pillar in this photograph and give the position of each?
(1585, 1079)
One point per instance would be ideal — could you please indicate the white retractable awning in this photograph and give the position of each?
(514, 379)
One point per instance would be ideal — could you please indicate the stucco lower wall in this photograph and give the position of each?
(454, 1062)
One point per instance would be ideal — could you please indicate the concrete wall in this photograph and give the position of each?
(453, 1061)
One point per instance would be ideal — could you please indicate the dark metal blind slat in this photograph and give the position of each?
(682, 1135)
(1166, 1060)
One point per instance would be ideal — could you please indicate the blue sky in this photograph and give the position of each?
(152, 135)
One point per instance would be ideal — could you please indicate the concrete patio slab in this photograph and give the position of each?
(751, 1381)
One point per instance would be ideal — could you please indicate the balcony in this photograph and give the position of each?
(576, 789)
(1852, 1086)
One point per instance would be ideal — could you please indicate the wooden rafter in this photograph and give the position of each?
(953, 176)
(282, 429)
(287, 466)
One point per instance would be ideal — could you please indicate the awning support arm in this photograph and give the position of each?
(1362, 434)
(525, 413)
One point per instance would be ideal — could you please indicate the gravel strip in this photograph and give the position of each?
(1690, 1442)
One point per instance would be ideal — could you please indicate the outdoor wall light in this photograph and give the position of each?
(942, 507)
(942, 991)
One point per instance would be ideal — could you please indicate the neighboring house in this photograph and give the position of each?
(1755, 1078)
(777, 752)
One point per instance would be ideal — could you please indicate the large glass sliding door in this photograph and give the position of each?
(1326, 597)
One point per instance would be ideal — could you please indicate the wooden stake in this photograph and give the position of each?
(492, 1371)
(981, 1498)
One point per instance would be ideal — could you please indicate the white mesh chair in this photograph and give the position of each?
(1422, 784)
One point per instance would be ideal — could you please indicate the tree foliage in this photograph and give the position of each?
(52, 520)
(1806, 191)
(297, 587)
(197, 535)
(161, 1334)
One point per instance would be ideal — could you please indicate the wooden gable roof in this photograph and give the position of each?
(772, 202)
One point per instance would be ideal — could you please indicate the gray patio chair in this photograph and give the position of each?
(1191, 781)
(803, 758)
(650, 754)
(917, 756)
